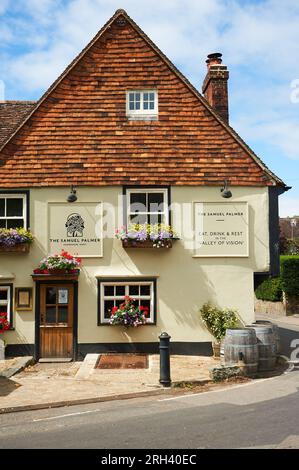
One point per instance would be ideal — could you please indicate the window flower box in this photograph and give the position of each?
(145, 244)
(20, 248)
(15, 240)
(59, 265)
(146, 236)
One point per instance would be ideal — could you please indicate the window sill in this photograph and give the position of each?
(143, 117)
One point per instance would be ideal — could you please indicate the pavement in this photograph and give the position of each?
(46, 385)
(260, 414)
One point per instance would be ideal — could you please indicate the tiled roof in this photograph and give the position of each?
(12, 114)
(78, 132)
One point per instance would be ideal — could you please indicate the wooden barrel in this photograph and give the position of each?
(266, 346)
(241, 342)
(275, 331)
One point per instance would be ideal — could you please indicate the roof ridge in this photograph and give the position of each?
(180, 75)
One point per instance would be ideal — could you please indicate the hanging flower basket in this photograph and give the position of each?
(146, 236)
(15, 240)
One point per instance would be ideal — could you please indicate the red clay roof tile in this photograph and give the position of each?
(78, 132)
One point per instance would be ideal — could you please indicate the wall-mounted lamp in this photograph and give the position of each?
(72, 196)
(225, 192)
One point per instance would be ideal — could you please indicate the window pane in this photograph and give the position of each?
(145, 105)
(145, 96)
(131, 97)
(14, 207)
(15, 223)
(120, 290)
(2, 223)
(108, 290)
(157, 198)
(50, 314)
(137, 96)
(138, 219)
(152, 105)
(145, 290)
(133, 290)
(152, 96)
(138, 202)
(131, 106)
(146, 303)
(63, 314)
(3, 294)
(108, 305)
(155, 202)
(137, 105)
(155, 219)
(2, 207)
(51, 295)
(3, 309)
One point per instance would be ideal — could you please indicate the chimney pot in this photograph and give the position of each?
(215, 85)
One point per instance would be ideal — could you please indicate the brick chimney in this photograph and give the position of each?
(214, 86)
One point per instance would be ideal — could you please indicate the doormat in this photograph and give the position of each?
(122, 361)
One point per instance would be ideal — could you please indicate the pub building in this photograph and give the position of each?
(123, 137)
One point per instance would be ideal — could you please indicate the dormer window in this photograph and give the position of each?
(142, 104)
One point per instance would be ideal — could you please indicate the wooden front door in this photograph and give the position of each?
(56, 320)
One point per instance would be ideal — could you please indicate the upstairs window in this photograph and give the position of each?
(142, 104)
(12, 210)
(147, 206)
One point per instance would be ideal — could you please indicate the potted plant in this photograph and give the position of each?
(4, 326)
(217, 321)
(15, 240)
(146, 236)
(128, 314)
(65, 263)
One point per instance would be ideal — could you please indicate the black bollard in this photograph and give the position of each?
(165, 379)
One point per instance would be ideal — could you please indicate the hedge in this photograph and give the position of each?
(270, 290)
(289, 274)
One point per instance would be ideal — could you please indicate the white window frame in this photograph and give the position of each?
(8, 301)
(147, 191)
(15, 196)
(127, 284)
(142, 112)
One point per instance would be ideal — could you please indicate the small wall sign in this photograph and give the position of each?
(76, 228)
(63, 296)
(221, 229)
(23, 298)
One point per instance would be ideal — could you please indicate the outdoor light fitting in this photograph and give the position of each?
(72, 196)
(225, 192)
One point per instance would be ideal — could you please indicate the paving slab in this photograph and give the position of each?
(47, 385)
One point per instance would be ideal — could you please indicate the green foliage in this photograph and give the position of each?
(289, 267)
(217, 320)
(270, 290)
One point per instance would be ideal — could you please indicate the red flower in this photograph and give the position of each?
(143, 309)
(113, 310)
(4, 323)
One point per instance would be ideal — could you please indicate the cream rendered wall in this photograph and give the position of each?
(184, 282)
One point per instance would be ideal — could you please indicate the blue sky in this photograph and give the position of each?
(259, 40)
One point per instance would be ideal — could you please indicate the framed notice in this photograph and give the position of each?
(76, 228)
(23, 298)
(63, 296)
(221, 229)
